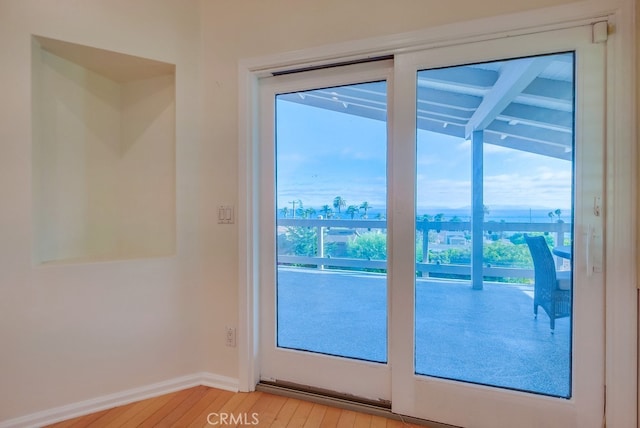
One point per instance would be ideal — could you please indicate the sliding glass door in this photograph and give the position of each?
(431, 233)
(491, 175)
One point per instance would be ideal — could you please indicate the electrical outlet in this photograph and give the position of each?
(230, 336)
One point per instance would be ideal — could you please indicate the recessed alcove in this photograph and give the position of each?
(103, 154)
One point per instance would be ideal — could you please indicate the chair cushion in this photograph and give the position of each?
(564, 279)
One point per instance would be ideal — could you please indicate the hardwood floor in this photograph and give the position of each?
(192, 407)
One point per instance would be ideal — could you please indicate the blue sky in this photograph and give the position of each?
(322, 154)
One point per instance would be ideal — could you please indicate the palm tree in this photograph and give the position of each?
(300, 210)
(352, 210)
(339, 203)
(556, 213)
(365, 207)
(285, 212)
(309, 213)
(327, 211)
(438, 218)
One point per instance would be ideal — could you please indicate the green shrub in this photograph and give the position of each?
(298, 241)
(368, 246)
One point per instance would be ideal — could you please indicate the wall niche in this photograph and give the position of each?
(103, 154)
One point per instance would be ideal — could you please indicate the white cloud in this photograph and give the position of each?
(547, 189)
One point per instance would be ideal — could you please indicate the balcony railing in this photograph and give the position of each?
(423, 267)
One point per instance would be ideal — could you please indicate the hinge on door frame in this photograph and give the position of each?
(599, 32)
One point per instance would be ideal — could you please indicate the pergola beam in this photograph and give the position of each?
(515, 76)
(470, 77)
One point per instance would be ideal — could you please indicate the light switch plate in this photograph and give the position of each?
(225, 214)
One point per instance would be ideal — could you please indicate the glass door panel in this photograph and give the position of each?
(331, 229)
(495, 165)
(324, 295)
(507, 138)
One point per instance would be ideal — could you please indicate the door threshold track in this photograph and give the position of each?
(342, 401)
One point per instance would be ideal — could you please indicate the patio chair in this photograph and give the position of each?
(552, 290)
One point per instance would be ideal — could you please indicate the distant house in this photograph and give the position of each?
(337, 238)
(455, 238)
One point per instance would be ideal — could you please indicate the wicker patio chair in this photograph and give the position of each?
(552, 290)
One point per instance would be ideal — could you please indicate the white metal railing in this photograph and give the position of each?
(319, 260)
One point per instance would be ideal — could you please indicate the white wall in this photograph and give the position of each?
(82, 330)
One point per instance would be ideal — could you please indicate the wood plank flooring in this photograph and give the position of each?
(190, 408)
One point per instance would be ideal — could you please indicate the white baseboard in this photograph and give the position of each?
(86, 407)
(221, 382)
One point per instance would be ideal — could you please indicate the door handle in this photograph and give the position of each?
(589, 249)
(593, 251)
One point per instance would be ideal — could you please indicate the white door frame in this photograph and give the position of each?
(621, 295)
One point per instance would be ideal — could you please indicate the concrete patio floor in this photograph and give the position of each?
(487, 336)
